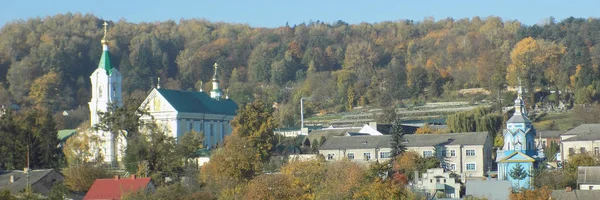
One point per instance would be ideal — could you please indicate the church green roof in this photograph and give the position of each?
(198, 102)
(105, 62)
(64, 134)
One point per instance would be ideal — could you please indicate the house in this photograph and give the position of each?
(546, 138)
(41, 180)
(361, 149)
(584, 138)
(437, 181)
(464, 153)
(115, 188)
(588, 178)
(467, 154)
(488, 189)
(295, 131)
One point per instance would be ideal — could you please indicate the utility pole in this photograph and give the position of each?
(301, 113)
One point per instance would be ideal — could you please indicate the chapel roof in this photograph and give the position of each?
(198, 102)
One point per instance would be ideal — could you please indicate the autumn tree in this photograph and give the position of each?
(255, 123)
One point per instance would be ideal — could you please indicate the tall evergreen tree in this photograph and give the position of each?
(397, 138)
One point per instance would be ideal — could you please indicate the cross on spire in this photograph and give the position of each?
(105, 29)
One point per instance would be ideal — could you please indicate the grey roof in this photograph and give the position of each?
(588, 174)
(584, 137)
(584, 128)
(575, 195)
(412, 140)
(469, 138)
(518, 119)
(357, 142)
(549, 133)
(329, 132)
(490, 189)
(584, 132)
(20, 180)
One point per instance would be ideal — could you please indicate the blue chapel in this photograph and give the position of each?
(519, 153)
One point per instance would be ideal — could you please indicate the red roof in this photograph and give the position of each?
(114, 188)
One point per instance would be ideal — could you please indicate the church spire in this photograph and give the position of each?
(519, 105)
(216, 93)
(105, 59)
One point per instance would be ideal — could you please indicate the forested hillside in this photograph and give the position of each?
(47, 61)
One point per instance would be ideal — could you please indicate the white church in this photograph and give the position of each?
(177, 111)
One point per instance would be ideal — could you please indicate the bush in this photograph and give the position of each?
(81, 178)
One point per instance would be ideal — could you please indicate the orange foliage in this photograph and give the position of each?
(537, 194)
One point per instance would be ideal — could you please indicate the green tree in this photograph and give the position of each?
(518, 173)
(59, 191)
(397, 138)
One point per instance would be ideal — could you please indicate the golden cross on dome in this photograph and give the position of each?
(105, 29)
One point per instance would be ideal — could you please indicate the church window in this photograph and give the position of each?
(191, 126)
(100, 91)
(212, 130)
(471, 166)
(470, 152)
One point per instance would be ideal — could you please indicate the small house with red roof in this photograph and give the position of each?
(115, 188)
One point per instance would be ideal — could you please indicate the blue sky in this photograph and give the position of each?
(274, 13)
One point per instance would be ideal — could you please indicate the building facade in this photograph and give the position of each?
(179, 112)
(467, 154)
(519, 154)
(584, 138)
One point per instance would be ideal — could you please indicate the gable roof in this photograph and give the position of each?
(412, 140)
(516, 156)
(584, 128)
(64, 134)
(197, 102)
(20, 180)
(357, 142)
(549, 133)
(114, 188)
(468, 138)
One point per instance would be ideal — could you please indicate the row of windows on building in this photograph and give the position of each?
(470, 166)
(451, 153)
(366, 156)
(211, 128)
(583, 150)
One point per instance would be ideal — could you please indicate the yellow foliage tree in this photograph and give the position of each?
(537, 194)
(44, 90)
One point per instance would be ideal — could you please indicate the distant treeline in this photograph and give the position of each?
(47, 61)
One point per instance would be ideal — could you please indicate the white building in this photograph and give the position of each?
(467, 154)
(178, 111)
(437, 182)
(106, 91)
(184, 111)
(584, 138)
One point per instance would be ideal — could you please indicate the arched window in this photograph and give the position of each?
(100, 91)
